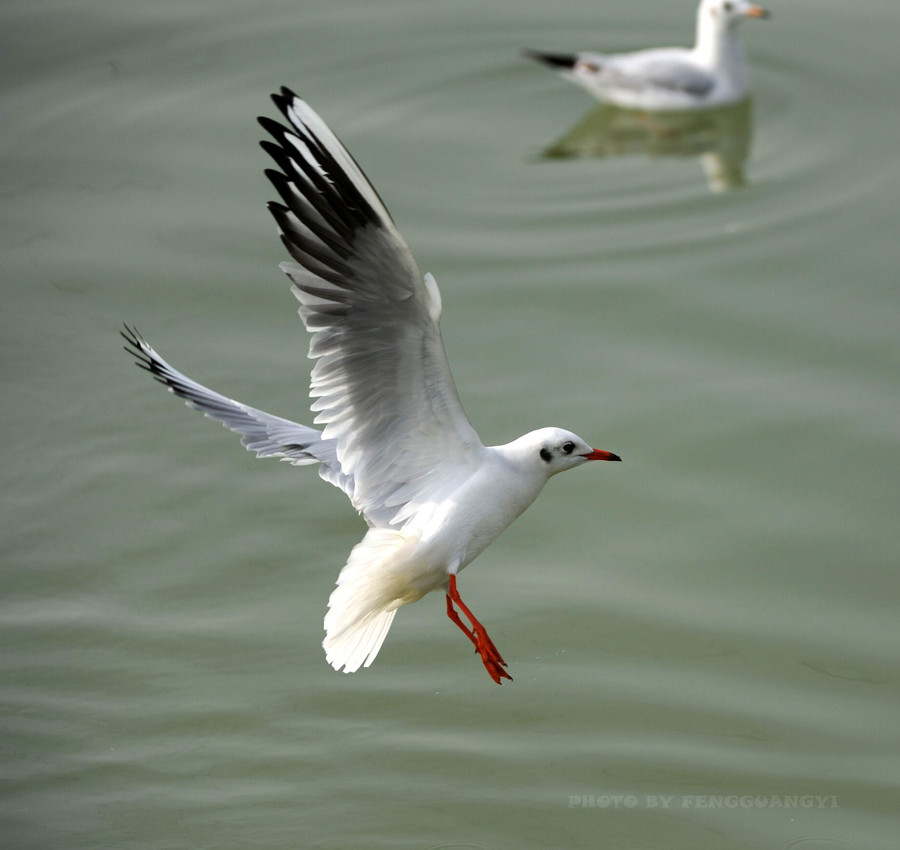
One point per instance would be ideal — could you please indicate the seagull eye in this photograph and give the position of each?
(568, 448)
(546, 455)
(728, 6)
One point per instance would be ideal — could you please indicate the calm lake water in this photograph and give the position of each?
(704, 638)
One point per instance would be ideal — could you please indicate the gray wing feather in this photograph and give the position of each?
(680, 77)
(261, 432)
(657, 72)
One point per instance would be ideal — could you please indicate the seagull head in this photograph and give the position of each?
(553, 450)
(729, 12)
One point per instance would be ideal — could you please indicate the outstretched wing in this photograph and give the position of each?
(381, 382)
(267, 435)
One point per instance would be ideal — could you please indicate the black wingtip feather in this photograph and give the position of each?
(566, 61)
(283, 99)
(138, 347)
(272, 127)
(133, 339)
(327, 227)
(318, 190)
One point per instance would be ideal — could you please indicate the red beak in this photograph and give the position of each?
(599, 454)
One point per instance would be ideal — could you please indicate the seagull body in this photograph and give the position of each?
(712, 73)
(395, 437)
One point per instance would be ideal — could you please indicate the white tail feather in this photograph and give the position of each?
(371, 587)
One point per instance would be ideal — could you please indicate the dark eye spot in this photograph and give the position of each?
(546, 455)
(728, 6)
(568, 448)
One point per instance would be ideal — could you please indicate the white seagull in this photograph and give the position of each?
(394, 435)
(712, 73)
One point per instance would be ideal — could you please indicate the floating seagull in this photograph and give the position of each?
(395, 438)
(713, 73)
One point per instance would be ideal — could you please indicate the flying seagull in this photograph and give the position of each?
(394, 436)
(712, 73)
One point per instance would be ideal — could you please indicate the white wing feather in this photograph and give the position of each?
(381, 383)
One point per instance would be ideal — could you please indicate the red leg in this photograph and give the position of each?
(453, 615)
(484, 646)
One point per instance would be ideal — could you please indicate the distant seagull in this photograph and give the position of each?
(395, 438)
(713, 73)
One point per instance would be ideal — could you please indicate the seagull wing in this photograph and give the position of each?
(656, 69)
(381, 382)
(263, 433)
